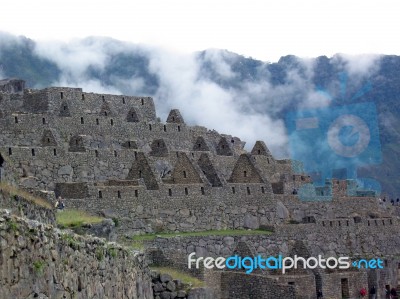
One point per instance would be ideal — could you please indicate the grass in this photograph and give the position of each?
(14, 191)
(140, 239)
(99, 254)
(13, 226)
(75, 218)
(70, 240)
(137, 244)
(184, 277)
(38, 266)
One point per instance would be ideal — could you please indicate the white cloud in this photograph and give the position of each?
(203, 102)
(248, 111)
(217, 58)
(7, 38)
(251, 109)
(359, 65)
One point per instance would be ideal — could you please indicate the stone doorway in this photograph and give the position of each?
(345, 288)
(387, 291)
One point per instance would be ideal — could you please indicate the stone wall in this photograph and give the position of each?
(303, 283)
(35, 102)
(335, 208)
(25, 208)
(182, 209)
(356, 240)
(71, 190)
(111, 155)
(244, 171)
(240, 285)
(183, 178)
(344, 284)
(38, 261)
(164, 286)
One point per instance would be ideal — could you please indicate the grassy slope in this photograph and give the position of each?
(13, 191)
(75, 218)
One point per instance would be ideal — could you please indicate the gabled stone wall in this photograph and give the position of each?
(76, 143)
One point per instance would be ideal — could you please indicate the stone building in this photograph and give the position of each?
(111, 155)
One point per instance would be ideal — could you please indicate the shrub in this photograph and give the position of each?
(38, 266)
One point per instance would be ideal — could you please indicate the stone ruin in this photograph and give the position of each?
(111, 155)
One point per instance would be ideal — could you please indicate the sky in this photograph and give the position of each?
(264, 30)
(169, 32)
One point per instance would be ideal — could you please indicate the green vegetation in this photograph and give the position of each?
(70, 240)
(99, 254)
(138, 240)
(14, 192)
(116, 221)
(75, 218)
(13, 225)
(137, 244)
(187, 279)
(113, 252)
(38, 266)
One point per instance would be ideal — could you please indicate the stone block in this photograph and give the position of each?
(251, 222)
(171, 286)
(229, 241)
(165, 277)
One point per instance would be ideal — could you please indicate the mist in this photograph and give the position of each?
(211, 88)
